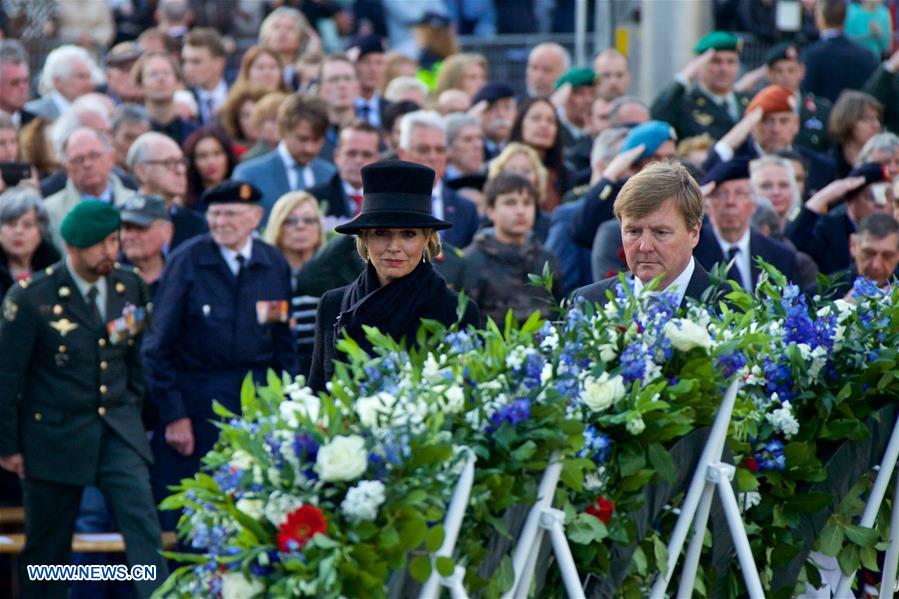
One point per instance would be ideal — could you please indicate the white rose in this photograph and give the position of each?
(236, 586)
(601, 393)
(241, 460)
(636, 426)
(370, 408)
(454, 400)
(547, 373)
(686, 334)
(344, 458)
(607, 352)
(251, 507)
(363, 500)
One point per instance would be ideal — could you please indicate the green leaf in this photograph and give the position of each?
(866, 537)
(849, 559)
(504, 575)
(660, 551)
(434, 538)
(585, 529)
(420, 568)
(412, 531)
(445, 565)
(631, 460)
(869, 558)
(831, 540)
(389, 537)
(746, 480)
(640, 562)
(662, 462)
(524, 451)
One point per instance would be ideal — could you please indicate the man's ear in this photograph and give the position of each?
(258, 215)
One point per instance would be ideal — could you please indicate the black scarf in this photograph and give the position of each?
(394, 309)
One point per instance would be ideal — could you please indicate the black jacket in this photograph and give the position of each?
(823, 237)
(45, 255)
(441, 308)
(331, 191)
(835, 64)
(596, 292)
(708, 253)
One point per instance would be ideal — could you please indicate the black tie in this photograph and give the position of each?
(363, 111)
(92, 305)
(733, 271)
(240, 265)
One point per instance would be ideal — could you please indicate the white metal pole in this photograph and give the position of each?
(694, 550)
(887, 466)
(888, 580)
(580, 32)
(563, 554)
(738, 533)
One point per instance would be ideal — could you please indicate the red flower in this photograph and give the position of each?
(751, 464)
(301, 525)
(602, 508)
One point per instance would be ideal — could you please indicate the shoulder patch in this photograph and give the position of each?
(605, 193)
(10, 309)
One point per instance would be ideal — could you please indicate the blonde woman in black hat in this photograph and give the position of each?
(396, 235)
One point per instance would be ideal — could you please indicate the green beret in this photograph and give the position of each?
(782, 51)
(718, 40)
(577, 77)
(89, 223)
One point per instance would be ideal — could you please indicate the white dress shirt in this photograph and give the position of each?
(215, 97)
(291, 166)
(437, 200)
(743, 259)
(678, 286)
(230, 255)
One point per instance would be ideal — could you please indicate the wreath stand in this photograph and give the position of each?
(711, 475)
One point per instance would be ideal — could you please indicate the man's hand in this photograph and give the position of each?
(13, 463)
(833, 193)
(739, 132)
(747, 82)
(708, 189)
(180, 435)
(479, 109)
(694, 67)
(560, 97)
(622, 162)
(892, 63)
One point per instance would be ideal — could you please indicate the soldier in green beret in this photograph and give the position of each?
(71, 388)
(701, 98)
(575, 91)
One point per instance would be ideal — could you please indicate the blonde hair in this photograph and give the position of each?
(646, 191)
(250, 57)
(286, 204)
(393, 64)
(452, 71)
(299, 20)
(498, 165)
(266, 108)
(697, 143)
(432, 248)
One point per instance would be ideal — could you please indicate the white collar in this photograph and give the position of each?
(60, 100)
(713, 96)
(678, 286)
(289, 161)
(246, 251)
(742, 243)
(82, 285)
(219, 92)
(437, 191)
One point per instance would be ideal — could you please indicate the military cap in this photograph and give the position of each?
(873, 172)
(493, 91)
(89, 223)
(396, 195)
(142, 210)
(433, 19)
(773, 98)
(367, 44)
(231, 192)
(718, 40)
(782, 51)
(651, 134)
(577, 77)
(738, 168)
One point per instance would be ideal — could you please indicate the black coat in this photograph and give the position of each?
(596, 292)
(45, 255)
(332, 192)
(823, 237)
(835, 64)
(708, 253)
(441, 307)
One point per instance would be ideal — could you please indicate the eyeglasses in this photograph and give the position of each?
(425, 150)
(226, 213)
(339, 79)
(169, 163)
(80, 160)
(293, 221)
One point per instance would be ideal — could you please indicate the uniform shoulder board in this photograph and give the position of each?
(458, 252)
(605, 193)
(580, 190)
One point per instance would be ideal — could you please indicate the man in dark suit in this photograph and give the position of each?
(367, 53)
(341, 195)
(660, 210)
(71, 386)
(423, 140)
(822, 227)
(221, 311)
(204, 56)
(701, 99)
(726, 237)
(15, 82)
(835, 62)
(771, 125)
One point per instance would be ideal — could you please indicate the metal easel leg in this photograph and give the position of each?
(737, 531)
(554, 521)
(694, 550)
(888, 580)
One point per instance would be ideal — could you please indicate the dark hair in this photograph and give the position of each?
(833, 12)
(553, 157)
(358, 124)
(849, 109)
(395, 111)
(877, 225)
(507, 182)
(12, 52)
(303, 107)
(194, 180)
(206, 37)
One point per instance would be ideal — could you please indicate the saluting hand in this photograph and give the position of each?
(13, 463)
(180, 435)
(833, 193)
(622, 162)
(693, 68)
(739, 132)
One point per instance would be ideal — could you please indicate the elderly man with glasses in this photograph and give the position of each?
(160, 167)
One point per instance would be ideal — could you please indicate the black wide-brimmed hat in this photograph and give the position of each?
(396, 195)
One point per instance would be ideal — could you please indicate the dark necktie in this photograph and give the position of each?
(240, 265)
(92, 305)
(733, 271)
(364, 111)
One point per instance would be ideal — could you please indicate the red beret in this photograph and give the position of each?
(774, 98)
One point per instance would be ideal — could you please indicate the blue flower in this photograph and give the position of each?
(228, 478)
(597, 446)
(461, 342)
(771, 456)
(864, 287)
(732, 363)
(513, 413)
(633, 363)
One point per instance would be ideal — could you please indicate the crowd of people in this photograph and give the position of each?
(168, 225)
